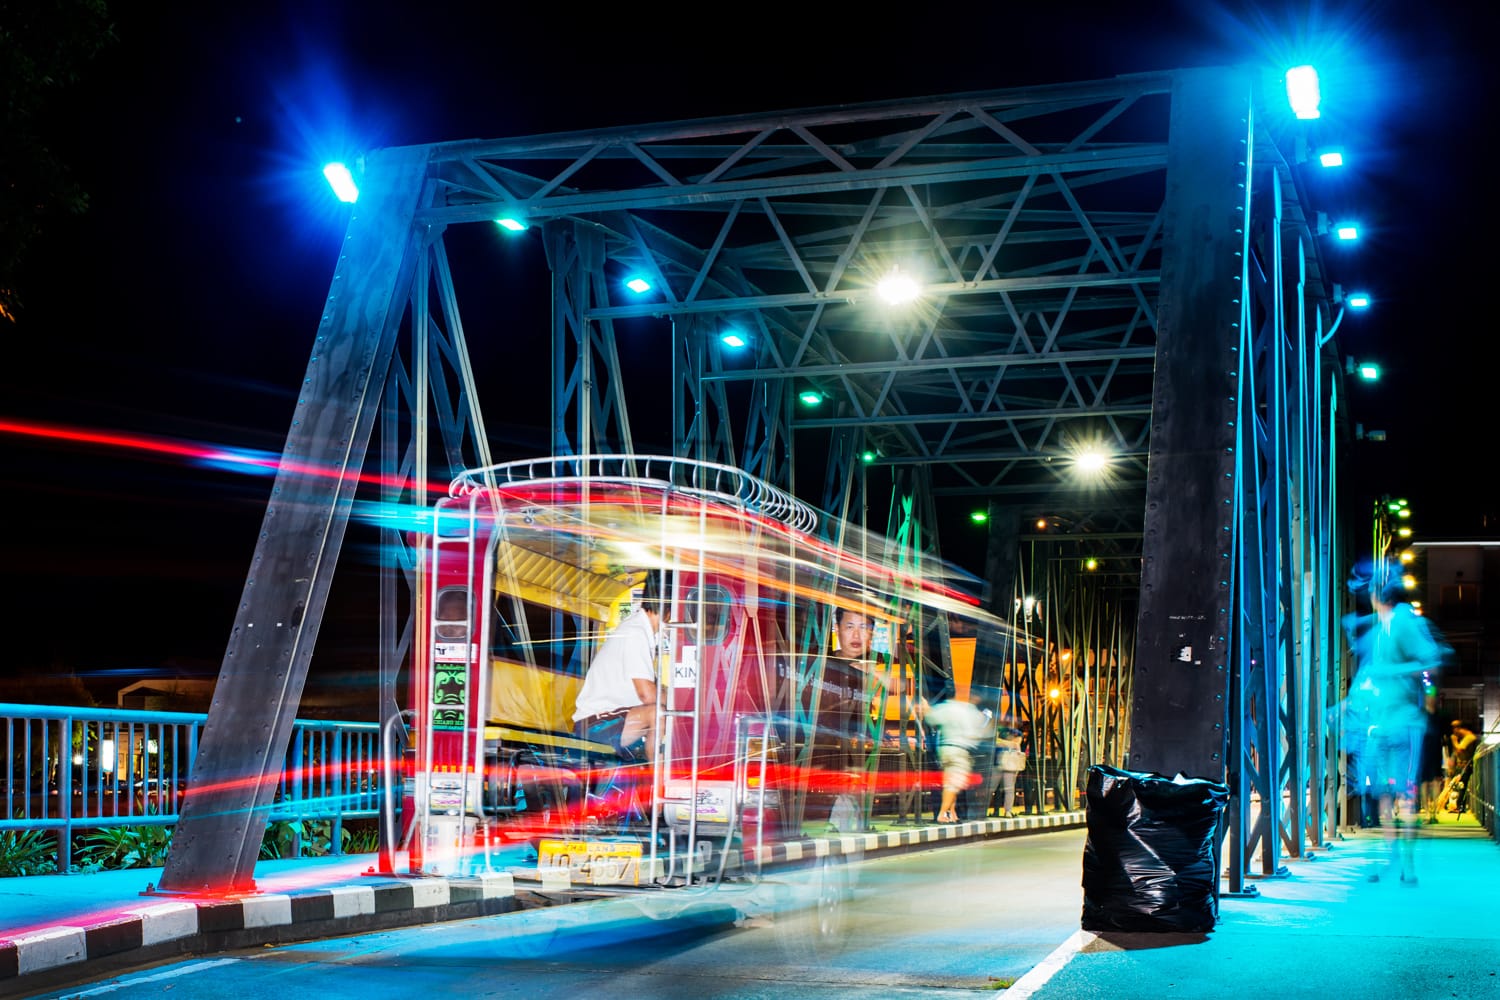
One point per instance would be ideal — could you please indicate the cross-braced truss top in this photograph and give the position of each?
(1030, 219)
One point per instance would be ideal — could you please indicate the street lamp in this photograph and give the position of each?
(1303, 92)
(897, 287)
(342, 181)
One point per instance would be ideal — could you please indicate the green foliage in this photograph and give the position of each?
(361, 838)
(316, 837)
(126, 847)
(27, 852)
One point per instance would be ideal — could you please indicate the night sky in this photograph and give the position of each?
(182, 305)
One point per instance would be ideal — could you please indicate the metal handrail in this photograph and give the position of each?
(76, 768)
(1484, 780)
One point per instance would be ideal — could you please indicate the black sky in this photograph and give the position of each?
(184, 302)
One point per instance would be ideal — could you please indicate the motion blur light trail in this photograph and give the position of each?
(247, 460)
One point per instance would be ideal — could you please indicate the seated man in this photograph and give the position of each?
(617, 703)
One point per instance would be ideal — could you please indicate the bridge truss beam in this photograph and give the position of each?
(1042, 225)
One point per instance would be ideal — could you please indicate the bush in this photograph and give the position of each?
(27, 852)
(282, 837)
(355, 837)
(126, 847)
(361, 836)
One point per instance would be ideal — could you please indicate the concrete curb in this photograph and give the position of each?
(63, 953)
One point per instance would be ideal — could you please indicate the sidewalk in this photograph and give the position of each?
(56, 929)
(1324, 931)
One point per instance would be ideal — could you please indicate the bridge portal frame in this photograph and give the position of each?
(1041, 219)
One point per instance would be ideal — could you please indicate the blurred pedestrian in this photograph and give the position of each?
(1010, 759)
(1398, 650)
(963, 728)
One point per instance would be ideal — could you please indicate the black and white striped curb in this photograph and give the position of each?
(166, 927)
(155, 930)
(916, 837)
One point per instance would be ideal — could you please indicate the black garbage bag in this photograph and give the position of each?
(1149, 861)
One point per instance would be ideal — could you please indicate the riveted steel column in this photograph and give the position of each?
(244, 741)
(1183, 641)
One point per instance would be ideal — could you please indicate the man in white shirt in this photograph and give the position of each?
(617, 703)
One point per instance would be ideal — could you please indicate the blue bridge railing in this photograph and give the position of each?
(70, 769)
(1483, 784)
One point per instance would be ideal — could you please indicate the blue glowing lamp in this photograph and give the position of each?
(638, 285)
(733, 339)
(1369, 372)
(1347, 231)
(1358, 300)
(1302, 91)
(342, 182)
(511, 224)
(1331, 158)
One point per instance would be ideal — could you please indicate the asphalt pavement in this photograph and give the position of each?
(57, 929)
(1323, 930)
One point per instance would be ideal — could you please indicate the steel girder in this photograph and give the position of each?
(1038, 223)
(410, 303)
(243, 746)
(1017, 210)
(1289, 652)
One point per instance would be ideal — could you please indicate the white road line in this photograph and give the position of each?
(186, 970)
(1034, 980)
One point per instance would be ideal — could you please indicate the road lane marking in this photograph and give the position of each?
(155, 978)
(1034, 980)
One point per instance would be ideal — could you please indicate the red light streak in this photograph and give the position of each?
(249, 461)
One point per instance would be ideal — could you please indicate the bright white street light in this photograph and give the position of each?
(898, 287)
(1303, 92)
(1091, 460)
(342, 182)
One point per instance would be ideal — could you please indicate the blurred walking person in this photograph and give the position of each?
(963, 729)
(1398, 652)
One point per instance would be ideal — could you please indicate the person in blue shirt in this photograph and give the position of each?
(1385, 712)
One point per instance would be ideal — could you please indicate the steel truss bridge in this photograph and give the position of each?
(1124, 265)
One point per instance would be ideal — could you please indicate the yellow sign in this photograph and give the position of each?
(595, 862)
